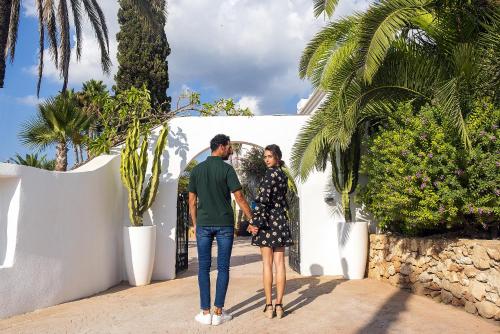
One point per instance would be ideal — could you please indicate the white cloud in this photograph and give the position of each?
(232, 48)
(29, 100)
(29, 7)
(250, 102)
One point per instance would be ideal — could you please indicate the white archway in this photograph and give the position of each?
(189, 136)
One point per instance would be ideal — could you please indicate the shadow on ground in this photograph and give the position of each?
(312, 289)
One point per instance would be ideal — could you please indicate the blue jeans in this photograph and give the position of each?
(204, 238)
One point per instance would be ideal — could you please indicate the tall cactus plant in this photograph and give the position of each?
(134, 162)
(345, 172)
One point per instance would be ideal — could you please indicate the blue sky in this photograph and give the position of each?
(247, 50)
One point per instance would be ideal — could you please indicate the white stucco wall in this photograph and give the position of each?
(60, 234)
(191, 135)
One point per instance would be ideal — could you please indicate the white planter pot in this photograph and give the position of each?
(353, 248)
(139, 248)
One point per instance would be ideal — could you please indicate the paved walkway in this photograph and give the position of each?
(314, 305)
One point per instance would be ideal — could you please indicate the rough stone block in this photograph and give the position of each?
(457, 290)
(446, 297)
(477, 289)
(486, 309)
(455, 267)
(481, 277)
(493, 253)
(470, 307)
(470, 271)
(464, 260)
(405, 269)
(480, 257)
(492, 297)
(457, 302)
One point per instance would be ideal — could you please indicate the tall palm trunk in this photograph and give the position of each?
(5, 10)
(61, 156)
(77, 158)
(81, 152)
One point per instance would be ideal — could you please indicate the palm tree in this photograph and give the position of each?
(401, 49)
(92, 99)
(54, 25)
(425, 50)
(33, 160)
(54, 20)
(59, 121)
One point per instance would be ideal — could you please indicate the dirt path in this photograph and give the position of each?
(314, 305)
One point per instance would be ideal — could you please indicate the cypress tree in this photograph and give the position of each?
(142, 54)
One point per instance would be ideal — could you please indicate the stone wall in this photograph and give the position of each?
(464, 273)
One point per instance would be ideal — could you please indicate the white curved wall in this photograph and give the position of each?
(60, 234)
(191, 135)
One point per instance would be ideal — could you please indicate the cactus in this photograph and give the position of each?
(134, 162)
(345, 172)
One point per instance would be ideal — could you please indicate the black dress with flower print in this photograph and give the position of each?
(270, 211)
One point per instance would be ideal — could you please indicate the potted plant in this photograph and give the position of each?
(353, 235)
(140, 241)
(315, 146)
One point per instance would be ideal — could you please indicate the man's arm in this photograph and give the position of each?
(192, 208)
(242, 203)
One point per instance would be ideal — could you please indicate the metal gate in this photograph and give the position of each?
(182, 230)
(294, 216)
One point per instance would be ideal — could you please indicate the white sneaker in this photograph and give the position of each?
(205, 319)
(219, 319)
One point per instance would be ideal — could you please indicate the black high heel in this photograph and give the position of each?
(280, 312)
(268, 310)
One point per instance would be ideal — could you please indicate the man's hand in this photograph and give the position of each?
(252, 229)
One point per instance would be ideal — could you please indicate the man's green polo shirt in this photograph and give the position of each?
(212, 181)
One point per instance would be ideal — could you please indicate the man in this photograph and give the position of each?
(210, 186)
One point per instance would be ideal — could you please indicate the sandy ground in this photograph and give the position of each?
(314, 305)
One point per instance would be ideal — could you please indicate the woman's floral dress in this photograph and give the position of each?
(270, 211)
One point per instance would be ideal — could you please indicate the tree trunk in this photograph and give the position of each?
(61, 157)
(5, 10)
(77, 159)
(81, 153)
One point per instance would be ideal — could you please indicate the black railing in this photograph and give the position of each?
(294, 216)
(181, 237)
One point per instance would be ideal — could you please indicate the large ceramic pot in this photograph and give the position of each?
(353, 248)
(139, 248)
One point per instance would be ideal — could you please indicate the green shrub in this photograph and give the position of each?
(414, 181)
(482, 203)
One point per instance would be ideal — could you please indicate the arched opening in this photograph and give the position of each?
(250, 168)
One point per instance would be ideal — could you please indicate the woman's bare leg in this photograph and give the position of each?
(267, 269)
(279, 262)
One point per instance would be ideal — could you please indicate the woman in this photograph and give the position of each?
(273, 234)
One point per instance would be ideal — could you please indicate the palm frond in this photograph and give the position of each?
(77, 21)
(381, 25)
(102, 21)
(324, 6)
(314, 141)
(334, 63)
(13, 27)
(323, 42)
(41, 46)
(65, 43)
(447, 96)
(93, 11)
(49, 18)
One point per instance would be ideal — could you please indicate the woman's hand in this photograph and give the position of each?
(252, 229)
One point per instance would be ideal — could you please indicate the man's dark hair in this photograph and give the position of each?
(218, 140)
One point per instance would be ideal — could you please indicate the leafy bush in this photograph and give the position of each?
(482, 202)
(414, 179)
